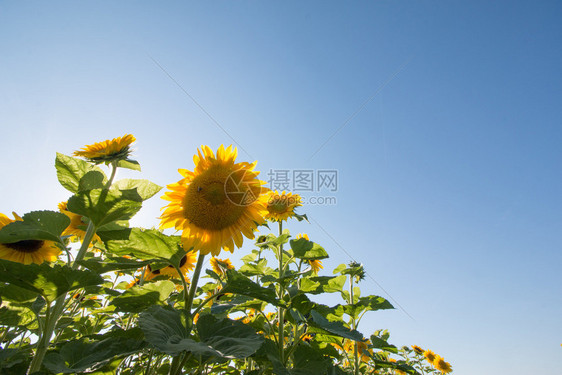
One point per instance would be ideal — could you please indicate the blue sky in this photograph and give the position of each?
(442, 118)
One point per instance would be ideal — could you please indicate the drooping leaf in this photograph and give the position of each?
(129, 164)
(71, 171)
(368, 303)
(36, 225)
(48, 281)
(139, 298)
(112, 264)
(305, 249)
(336, 328)
(83, 356)
(379, 343)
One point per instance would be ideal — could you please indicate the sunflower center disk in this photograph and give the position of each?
(207, 205)
(25, 246)
(278, 207)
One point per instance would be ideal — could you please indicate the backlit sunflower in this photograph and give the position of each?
(108, 150)
(217, 203)
(429, 355)
(27, 251)
(77, 227)
(441, 365)
(281, 206)
(221, 265)
(417, 349)
(187, 263)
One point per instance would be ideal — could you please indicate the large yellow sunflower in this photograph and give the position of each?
(77, 228)
(441, 365)
(429, 355)
(281, 206)
(27, 251)
(108, 150)
(217, 203)
(220, 266)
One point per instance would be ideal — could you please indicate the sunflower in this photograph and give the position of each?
(307, 337)
(108, 150)
(281, 206)
(77, 227)
(417, 349)
(441, 365)
(429, 355)
(362, 349)
(27, 251)
(187, 263)
(217, 203)
(220, 266)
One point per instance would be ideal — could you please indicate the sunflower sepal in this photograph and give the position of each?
(35, 225)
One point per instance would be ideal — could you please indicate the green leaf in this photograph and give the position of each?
(368, 303)
(146, 244)
(71, 171)
(165, 328)
(16, 294)
(109, 264)
(379, 343)
(83, 356)
(144, 188)
(308, 361)
(129, 164)
(336, 328)
(322, 284)
(36, 225)
(139, 298)
(48, 281)
(103, 206)
(239, 284)
(18, 316)
(305, 249)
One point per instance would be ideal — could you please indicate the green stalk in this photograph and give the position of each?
(280, 310)
(354, 326)
(52, 319)
(194, 281)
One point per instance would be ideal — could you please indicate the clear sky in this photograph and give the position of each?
(441, 118)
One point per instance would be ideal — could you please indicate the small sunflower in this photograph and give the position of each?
(316, 265)
(217, 203)
(429, 355)
(27, 251)
(362, 349)
(307, 337)
(220, 266)
(281, 206)
(187, 263)
(441, 365)
(108, 150)
(77, 227)
(417, 349)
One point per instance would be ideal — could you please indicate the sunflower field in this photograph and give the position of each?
(82, 292)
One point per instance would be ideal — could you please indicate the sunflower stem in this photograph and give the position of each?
(194, 281)
(280, 310)
(52, 319)
(354, 326)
